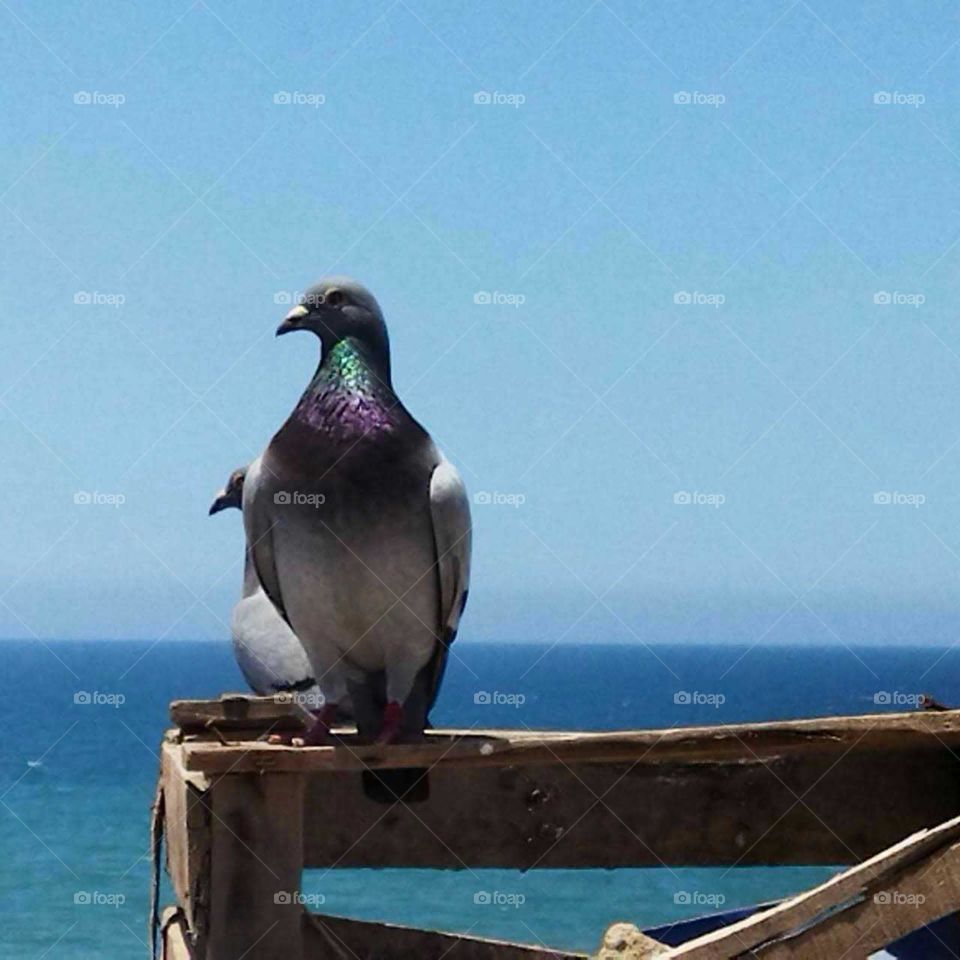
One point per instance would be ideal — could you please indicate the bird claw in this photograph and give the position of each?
(318, 734)
(287, 740)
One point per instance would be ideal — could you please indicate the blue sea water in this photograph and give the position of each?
(82, 722)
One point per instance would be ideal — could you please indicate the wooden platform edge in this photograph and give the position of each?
(239, 711)
(734, 743)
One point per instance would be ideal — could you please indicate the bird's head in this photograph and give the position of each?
(335, 309)
(232, 494)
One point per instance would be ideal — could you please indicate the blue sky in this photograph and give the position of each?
(720, 244)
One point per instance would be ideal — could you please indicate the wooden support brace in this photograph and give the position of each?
(346, 939)
(256, 857)
(187, 834)
(854, 913)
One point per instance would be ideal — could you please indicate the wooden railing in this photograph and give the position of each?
(244, 817)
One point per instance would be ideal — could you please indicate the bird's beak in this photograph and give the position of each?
(292, 320)
(220, 503)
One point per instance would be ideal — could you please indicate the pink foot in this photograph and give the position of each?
(318, 735)
(392, 720)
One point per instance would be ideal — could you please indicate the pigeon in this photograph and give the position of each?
(359, 527)
(271, 658)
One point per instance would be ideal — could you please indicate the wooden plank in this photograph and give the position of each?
(800, 808)
(176, 943)
(749, 794)
(924, 892)
(498, 748)
(156, 857)
(346, 939)
(854, 913)
(187, 829)
(235, 711)
(255, 865)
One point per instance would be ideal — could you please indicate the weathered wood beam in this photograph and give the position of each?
(832, 790)
(238, 711)
(187, 830)
(256, 859)
(854, 913)
(499, 748)
(328, 936)
(799, 808)
(176, 943)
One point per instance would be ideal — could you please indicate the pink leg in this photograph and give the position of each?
(319, 733)
(392, 721)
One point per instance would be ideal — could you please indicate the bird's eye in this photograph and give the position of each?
(334, 298)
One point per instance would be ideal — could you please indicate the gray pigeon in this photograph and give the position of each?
(358, 526)
(270, 657)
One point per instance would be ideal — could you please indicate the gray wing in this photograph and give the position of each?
(452, 534)
(258, 521)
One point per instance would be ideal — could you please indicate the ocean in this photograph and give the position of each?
(78, 763)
